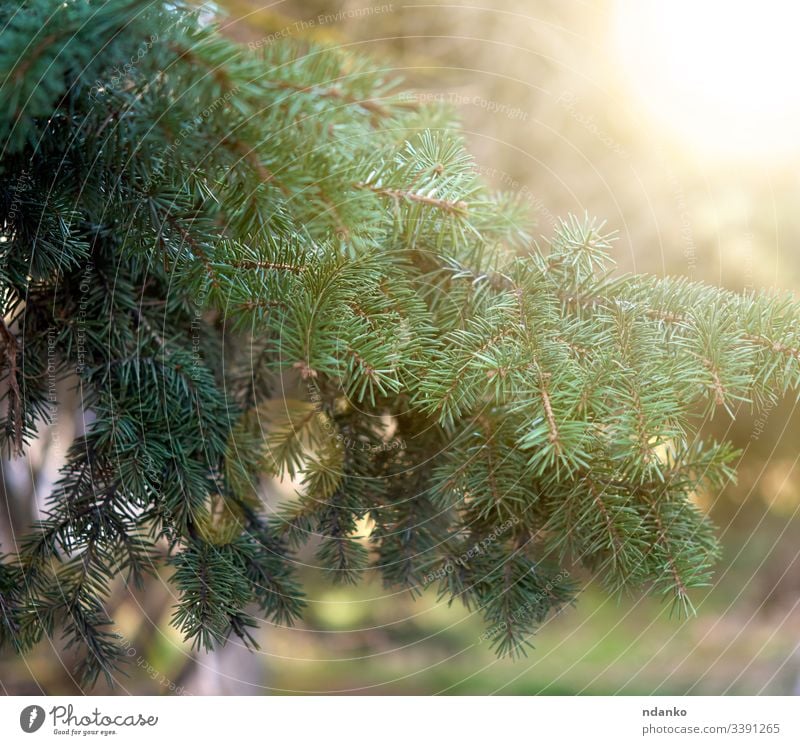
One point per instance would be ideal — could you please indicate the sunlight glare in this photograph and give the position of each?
(722, 75)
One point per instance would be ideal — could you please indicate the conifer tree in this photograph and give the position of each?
(266, 261)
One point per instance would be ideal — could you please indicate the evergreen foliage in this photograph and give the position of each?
(190, 229)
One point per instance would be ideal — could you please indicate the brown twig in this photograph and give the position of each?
(277, 266)
(458, 207)
(548, 411)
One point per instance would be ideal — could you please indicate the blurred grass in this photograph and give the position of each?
(369, 641)
(359, 641)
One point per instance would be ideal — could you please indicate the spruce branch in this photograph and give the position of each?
(270, 266)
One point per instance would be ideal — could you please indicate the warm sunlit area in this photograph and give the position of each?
(721, 76)
(678, 124)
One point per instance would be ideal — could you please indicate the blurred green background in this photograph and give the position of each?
(584, 107)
